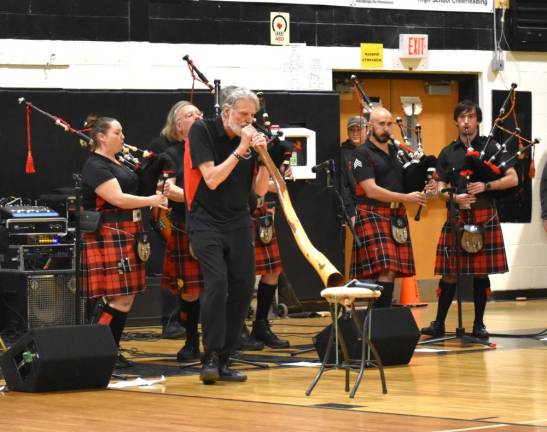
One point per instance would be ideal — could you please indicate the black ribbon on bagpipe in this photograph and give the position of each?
(149, 168)
(416, 175)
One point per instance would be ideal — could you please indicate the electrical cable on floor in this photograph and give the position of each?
(529, 335)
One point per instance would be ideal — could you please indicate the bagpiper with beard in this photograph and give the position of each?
(219, 172)
(381, 222)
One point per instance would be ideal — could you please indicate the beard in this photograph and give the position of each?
(383, 137)
(235, 127)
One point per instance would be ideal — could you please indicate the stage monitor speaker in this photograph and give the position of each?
(60, 358)
(394, 334)
(32, 300)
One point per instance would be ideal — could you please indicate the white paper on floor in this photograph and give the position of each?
(431, 350)
(303, 364)
(138, 382)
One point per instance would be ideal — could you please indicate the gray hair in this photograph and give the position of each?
(234, 95)
(169, 130)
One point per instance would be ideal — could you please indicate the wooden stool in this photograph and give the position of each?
(346, 296)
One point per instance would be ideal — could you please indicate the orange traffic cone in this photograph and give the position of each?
(410, 295)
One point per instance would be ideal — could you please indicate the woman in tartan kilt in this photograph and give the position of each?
(476, 208)
(381, 223)
(112, 267)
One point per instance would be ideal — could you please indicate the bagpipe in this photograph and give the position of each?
(486, 166)
(280, 151)
(147, 165)
(418, 167)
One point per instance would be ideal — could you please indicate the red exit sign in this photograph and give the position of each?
(413, 45)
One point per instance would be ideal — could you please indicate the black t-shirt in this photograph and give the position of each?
(226, 207)
(99, 169)
(160, 144)
(451, 161)
(176, 154)
(370, 162)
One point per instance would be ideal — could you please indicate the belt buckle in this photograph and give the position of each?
(137, 215)
(394, 205)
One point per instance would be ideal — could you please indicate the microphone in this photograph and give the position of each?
(327, 164)
(356, 283)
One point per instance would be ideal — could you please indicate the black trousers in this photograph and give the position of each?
(227, 262)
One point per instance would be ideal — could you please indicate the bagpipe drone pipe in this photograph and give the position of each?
(148, 166)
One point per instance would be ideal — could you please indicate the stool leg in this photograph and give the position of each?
(379, 365)
(363, 354)
(346, 361)
(330, 343)
(378, 362)
(366, 341)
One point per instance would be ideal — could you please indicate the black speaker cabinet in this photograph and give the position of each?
(394, 334)
(32, 300)
(60, 358)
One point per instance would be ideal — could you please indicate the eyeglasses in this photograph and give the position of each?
(191, 114)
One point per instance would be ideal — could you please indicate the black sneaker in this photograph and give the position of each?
(123, 363)
(480, 332)
(209, 371)
(247, 342)
(263, 333)
(227, 374)
(173, 330)
(434, 329)
(190, 350)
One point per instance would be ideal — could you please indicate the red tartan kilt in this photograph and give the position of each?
(268, 259)
(378, 251)
(178, 264)
(102, 253)
(491, 259)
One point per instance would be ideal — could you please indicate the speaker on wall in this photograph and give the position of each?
(394, 334)
(60, 358)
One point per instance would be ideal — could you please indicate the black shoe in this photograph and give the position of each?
(190, 350)
(173, 330)
(209, 371)
(123, 363)
(247, 342)
(480, 332)
(263, 333)
(227, 374)
(434, 329)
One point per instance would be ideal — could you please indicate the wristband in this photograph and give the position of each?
(237, 155)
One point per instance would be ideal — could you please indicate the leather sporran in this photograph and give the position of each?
(264, 228)
(142, 243)
(90, 221)
(399, 229)
(472, 240)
